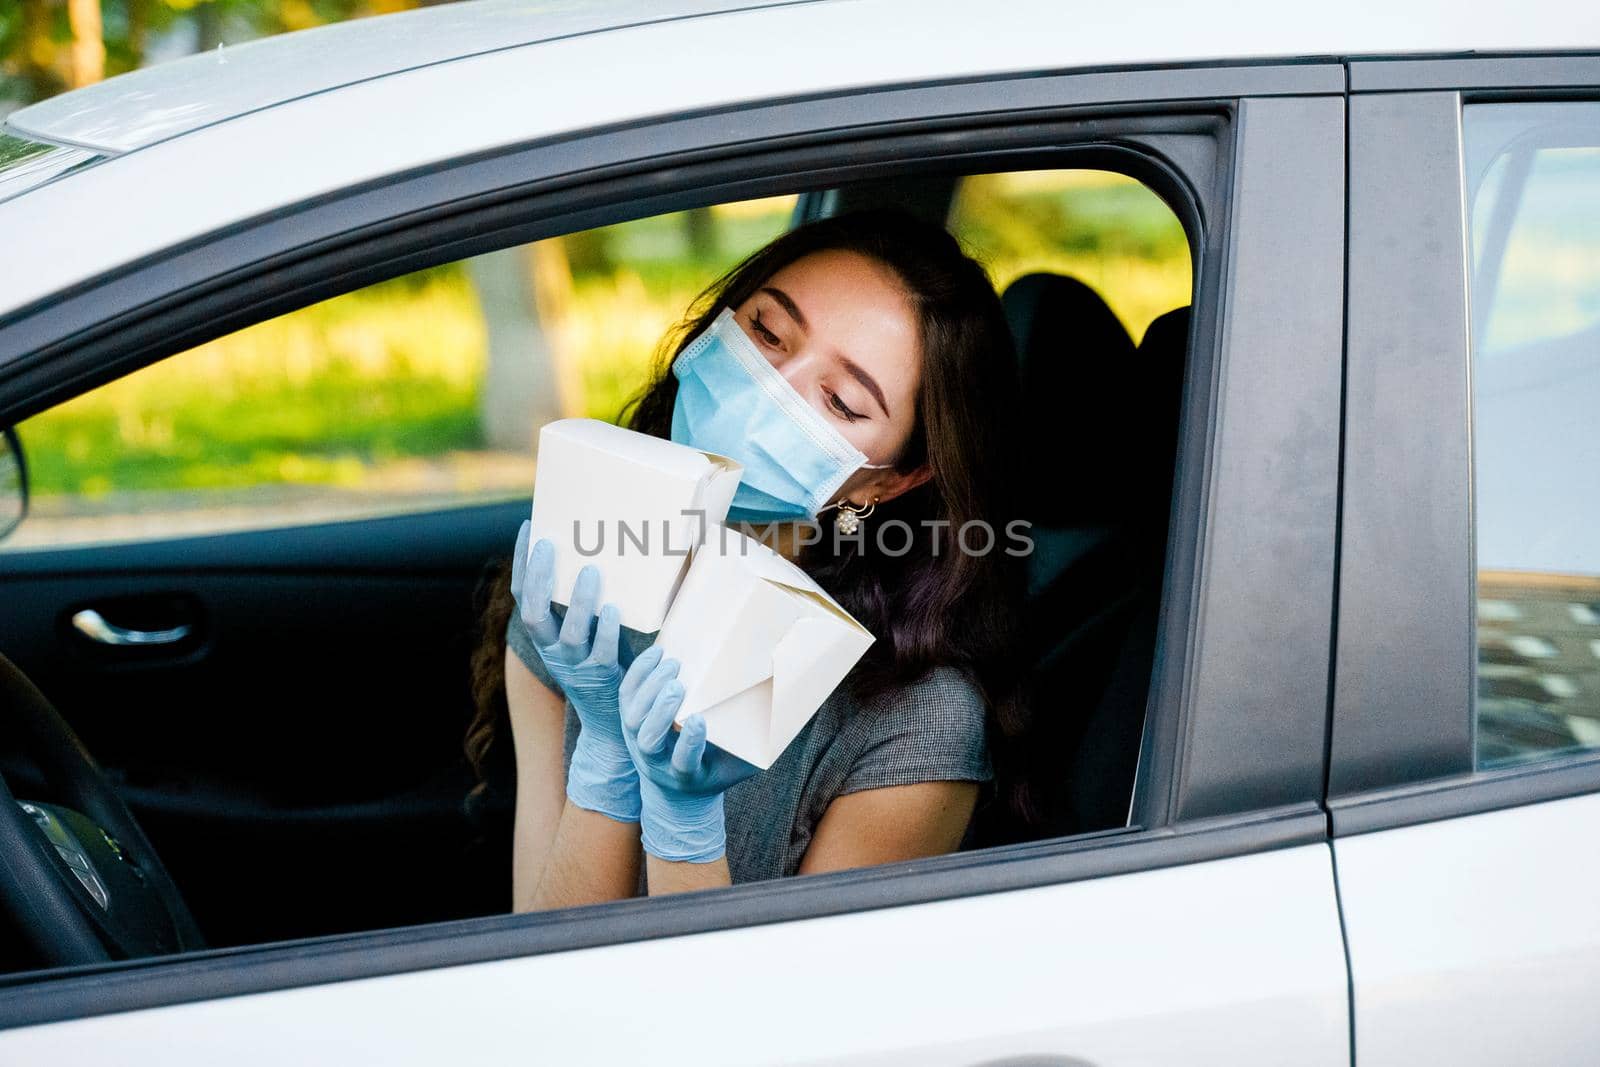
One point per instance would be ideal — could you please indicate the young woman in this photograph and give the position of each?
(859, 364)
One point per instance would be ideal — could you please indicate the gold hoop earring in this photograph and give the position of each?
(848, 520)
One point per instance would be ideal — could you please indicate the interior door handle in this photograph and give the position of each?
(94, 626)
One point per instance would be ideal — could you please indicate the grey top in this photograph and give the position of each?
(930, 730)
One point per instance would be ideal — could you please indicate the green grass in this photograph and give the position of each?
(321, 395)
(329, 431)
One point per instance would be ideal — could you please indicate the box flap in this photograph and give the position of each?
(667, 457)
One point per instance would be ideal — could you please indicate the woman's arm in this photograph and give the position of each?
(680, 876)
(894, 822)
(562, 855)
(592, 859)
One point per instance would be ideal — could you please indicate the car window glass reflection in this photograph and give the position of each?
(1534, 210)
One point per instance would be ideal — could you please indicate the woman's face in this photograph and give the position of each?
(840, 329)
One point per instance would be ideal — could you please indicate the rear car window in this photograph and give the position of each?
(26, 163)
(1533, 184)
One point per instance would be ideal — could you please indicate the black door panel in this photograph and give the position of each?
(296, 756)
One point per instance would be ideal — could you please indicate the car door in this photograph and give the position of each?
(1205, 931)
(1464, 778)
(300, 737)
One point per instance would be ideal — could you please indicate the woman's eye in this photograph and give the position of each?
(841, 407)
(766, 335)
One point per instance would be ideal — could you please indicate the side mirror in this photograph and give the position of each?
(13, 484)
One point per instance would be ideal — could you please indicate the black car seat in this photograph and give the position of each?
(1071, 349)
(1101, 420)
(1106, 731)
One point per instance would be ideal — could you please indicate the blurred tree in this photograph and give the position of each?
(700, 230)
(88, 45)
(525, 294)
(588, 252)
(30, 39)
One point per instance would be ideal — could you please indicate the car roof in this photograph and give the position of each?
(144, 106)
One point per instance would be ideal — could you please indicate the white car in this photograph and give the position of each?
(1337, 777)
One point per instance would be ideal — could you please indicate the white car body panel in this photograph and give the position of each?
(80, 226)
(1235, 962)
(1476, 940)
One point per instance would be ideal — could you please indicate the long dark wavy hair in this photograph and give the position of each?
(925, 607)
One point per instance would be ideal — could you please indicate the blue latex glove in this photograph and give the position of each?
(681, 777)
(581, 655)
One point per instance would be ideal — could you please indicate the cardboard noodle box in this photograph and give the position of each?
(632, 504)
(759, 645)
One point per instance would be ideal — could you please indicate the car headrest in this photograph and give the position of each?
(1048, 313)
(1077, 369)
(1161, 358)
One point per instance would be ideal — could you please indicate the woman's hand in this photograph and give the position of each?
(581, 655)
(681, 777)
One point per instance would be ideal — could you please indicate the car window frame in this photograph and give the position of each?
(1217, 152)
(1403, 732)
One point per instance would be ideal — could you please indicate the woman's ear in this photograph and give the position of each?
(891, 483)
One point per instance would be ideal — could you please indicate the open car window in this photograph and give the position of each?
(425, 394)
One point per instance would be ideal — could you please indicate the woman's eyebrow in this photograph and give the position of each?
(788, 304)
(867, 381)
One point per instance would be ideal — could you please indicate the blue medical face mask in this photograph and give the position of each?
(733, 402)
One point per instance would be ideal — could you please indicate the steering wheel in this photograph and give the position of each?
(80, 880)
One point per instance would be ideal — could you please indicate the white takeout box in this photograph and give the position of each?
(759, 645)
(632, 504)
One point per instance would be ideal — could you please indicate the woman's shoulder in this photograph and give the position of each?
(944, 695)
(931, 727)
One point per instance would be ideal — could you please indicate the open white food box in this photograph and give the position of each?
(759, 645)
